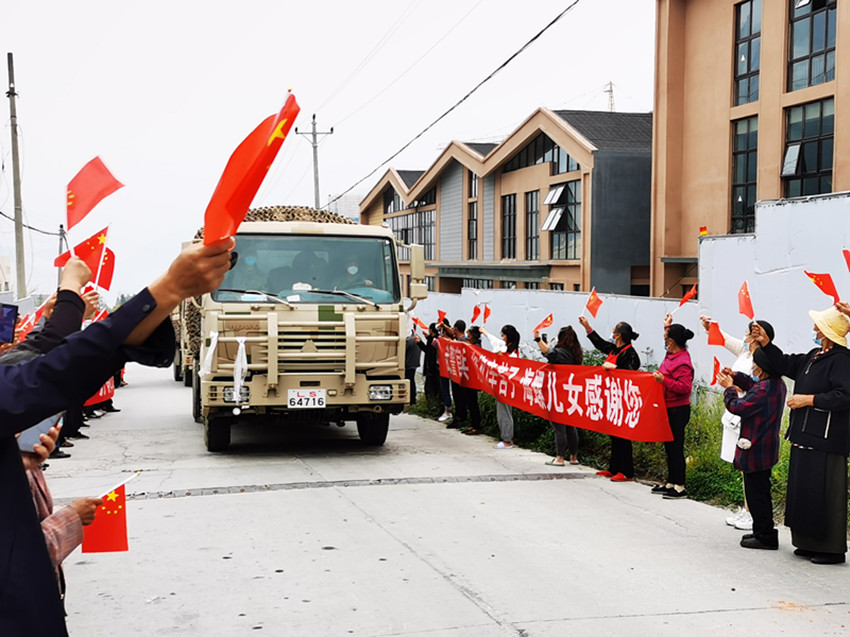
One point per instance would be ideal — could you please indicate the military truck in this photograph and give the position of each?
(308, 327)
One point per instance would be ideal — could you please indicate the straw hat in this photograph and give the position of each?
(832, 324)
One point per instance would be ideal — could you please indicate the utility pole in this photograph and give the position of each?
(315, 143)
(21, 290)
(610, 91)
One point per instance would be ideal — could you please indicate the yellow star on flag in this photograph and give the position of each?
(278, 132)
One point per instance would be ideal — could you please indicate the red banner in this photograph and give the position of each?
(622, 403)
(104, 393)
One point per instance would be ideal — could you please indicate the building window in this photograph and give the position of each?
(428, 199)
(747, 51)
(807, 167)
(556, 286)
(811, 46)
(744, 160)
(478, 284)
(473, 185)
(431, 283)
(392, 202)
(564, 220)
(539, 151)
(472, 230)
(532, 225)
(415, 227)
(532, 285)
(508, 285)
(509, 226)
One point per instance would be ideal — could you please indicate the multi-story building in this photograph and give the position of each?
(746, 98)
(562, 203)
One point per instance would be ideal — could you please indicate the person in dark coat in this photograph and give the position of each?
(757, 449)
(412, 359)
(33, 390)
(819, 432)
(621, 355)
(566, 351)
(430, 366)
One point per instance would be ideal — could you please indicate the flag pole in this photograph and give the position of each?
(119, 485)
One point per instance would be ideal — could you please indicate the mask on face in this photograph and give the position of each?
(251, 261)
(352, 270)
(816, 339)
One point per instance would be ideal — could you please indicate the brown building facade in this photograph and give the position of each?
(748, 98)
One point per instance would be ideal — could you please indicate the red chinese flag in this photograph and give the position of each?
(421, 324)
(476, 312)
(703, 230)
(107, 269)
(593, 303)
(486, 313)
(99, 316)
(88, 188)
(716, 372)
(90, 251)
(715, 336)
(688, 296)
(244, 173)
(441, 316)
(745, 303)
(108, 532)
(544, 323)
(825, 284)
(846, 254)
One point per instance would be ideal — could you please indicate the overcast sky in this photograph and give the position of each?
(164, 91)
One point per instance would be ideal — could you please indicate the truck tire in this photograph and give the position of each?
(217, 433)
(178, 365)
(373, 428)
(196, 394)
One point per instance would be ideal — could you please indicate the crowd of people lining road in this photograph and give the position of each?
(754, 396)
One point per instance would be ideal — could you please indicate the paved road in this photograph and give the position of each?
(435, 534)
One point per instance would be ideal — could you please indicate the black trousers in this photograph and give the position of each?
(757, 490)
(621, 457)
(410, 374)
(471, 404)
(459, 395)
(678, 417)
(72, 421)
(566, 439)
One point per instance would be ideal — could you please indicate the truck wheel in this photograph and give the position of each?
(217, 433)
(373, 428)
(196, 394)
(178, 365)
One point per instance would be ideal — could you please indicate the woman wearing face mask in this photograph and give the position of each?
(743, 350)
(819, 432)
(507, 344)
(621, 355)
(676, 373)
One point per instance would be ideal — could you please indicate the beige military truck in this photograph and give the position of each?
(308, 327)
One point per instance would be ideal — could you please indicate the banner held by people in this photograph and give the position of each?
(624, 403)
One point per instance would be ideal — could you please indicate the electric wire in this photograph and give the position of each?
(460, 101)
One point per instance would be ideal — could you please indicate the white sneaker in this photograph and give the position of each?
(446, 415)
(745, 523)
(732, 520)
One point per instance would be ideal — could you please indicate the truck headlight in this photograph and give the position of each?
(380, 392)
(229, 396)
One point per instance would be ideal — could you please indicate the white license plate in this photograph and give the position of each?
(306, 398)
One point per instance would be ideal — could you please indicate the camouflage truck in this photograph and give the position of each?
(308, 327)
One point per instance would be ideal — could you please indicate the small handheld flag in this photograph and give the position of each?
(715, 336)
(441, 316)
(745, 303)
(108, 532)
(476, 312)
(716, 371)
(689, 295)
(703, 230)
(90, 251)
(88, 188)
(547, 322)
(825, 284)
(593, 303)
(486, 313)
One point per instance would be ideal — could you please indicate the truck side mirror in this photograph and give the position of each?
(417, 262)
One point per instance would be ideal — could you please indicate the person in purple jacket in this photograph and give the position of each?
(676, 373)
(760, 409)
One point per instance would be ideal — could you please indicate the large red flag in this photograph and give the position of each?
(107, 270)
(688, 296)
(593, 303)
(90, 251)
(745, 303)
(244, 173)
(476, 312)
(715, 336)
(825, 284)
(544, 323)
(108, 532)
(88, 188)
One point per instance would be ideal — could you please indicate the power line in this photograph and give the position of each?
(52, 234)
(459, 102)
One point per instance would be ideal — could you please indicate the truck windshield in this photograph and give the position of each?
(308, 269)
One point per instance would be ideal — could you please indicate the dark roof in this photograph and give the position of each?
(482, 149)
(410, 177)
(612, 131)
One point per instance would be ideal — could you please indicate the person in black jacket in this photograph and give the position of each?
(430, 367)
(621, 355)
(566, 351)
(819, 432)
(412, 358)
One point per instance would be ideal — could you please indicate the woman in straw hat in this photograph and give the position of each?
(819, 432)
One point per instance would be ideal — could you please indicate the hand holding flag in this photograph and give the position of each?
(108, 532)
(245, 171)
(91, 251)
